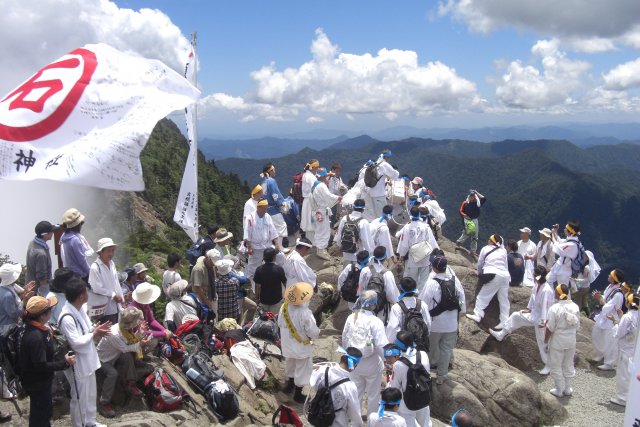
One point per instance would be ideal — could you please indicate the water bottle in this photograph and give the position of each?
(200, 380)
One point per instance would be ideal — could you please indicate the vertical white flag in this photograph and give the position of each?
(186, 214)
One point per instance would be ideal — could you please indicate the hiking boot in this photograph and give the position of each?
(4, 418)
(133, 389)
(106, 410)
(474, 317)
(289, 387)
(298, 396)
(606, 367)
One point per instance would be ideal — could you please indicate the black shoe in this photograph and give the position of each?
(285, 242)
(289, 387)
(298, 396)
(4, 418)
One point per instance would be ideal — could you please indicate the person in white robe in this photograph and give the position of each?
(251, 205)
(308, 179)
(528, 249)
(321, 203)
(380, 234)
(295, 266)
(604, 345)
(626, 333)
(259, 234)
(409, 240)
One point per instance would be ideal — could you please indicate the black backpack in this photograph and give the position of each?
(417, 393)
(376, 283)
(321, 410)
(10, 342)
(449, 297)
(371, 177)
(224, 405)
(202, 364)
(350, 235)
(414, 323)
(194, 252)
(349, 289)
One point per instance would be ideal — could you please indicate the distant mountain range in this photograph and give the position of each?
(532, 183)
(261, 148)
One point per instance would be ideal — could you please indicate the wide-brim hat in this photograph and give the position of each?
(222, 235)
(298, 293)
(72, 218)
(130, 317)
(417, 180)
(224, 266)
(9, 273)
(213, 254)
(525, 230)
(176, 289)
(139, 268)
(145, 293)
(38, 305)
(545, 232)
(105, 242)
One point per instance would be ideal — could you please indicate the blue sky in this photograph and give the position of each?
(278, 67)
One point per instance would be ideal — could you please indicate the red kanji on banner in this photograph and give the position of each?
(61, 113)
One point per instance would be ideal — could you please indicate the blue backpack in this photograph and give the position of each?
(580, 261)
(194, 252)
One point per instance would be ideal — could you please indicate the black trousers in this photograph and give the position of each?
(40, 406)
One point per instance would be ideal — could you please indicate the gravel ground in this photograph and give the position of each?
(589, 405)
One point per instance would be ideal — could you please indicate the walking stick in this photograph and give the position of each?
(75, 383)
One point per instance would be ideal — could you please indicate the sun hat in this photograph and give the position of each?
(222, 235)
(145, 293)
(176, 289)
(545, 232)
(44, 227)
(130, 317)
(298, 293)
(224, 266)
(105, 242)
(417, 180)
(213, 254)
(38, 305)
(9, 273)
(525, 230)
(139, 268)
(72, 218)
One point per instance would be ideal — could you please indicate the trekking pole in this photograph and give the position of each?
(75, 383)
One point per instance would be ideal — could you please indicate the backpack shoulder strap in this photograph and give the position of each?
(406, 361)
(337, 383)
(403, 306)
(74, 321)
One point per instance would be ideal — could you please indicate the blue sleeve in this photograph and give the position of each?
(77, 254)
(273, 189)
(241, 278)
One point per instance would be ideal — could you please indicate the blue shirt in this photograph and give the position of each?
(9, 306)
(273, 195)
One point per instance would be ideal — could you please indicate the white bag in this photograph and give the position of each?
(419, 251)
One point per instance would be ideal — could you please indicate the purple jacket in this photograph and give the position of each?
(156, 329)
(74, 253)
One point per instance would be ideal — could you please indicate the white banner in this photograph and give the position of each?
(186, 214)
(86, 117)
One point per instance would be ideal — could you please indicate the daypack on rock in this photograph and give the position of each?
(286, 416)
(223, 401)
(194, 252)
(265, 327)
(163, 392)
(580, 261)
(192, 343)
(371, 177)
(190, 327)
(449, 299)
(417, 393)
(321, 410)
(414, 322)
(376, 283)
(350, 235)
(205, 314)
(349, 289)
(173, 350)
(296, 188)
(202, 364)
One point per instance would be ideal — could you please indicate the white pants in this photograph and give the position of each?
(305, 216)
(554, 278)
(254, 261)
(529, 280)
(421, 417)
(299, 369)
(561, 364)
(378, 203)
(83, 410)
(518, 320)
(604, 345)
(622, 376)
(419, 274)
(368, 378)
(322, 231)
(499, 285)
(280, 225)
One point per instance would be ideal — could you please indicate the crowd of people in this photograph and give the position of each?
(402, 326)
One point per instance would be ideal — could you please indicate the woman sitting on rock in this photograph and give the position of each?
(143, 296)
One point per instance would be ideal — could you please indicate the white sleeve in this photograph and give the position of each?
(393, 324)
(623, 328)
(424, 309)
(403, 244)
(338, 235)
(365, 275)
(385, 240)
(390, 288)
(481, 257)
(343, 276)
(80, 343)
(365, 236)
(389, 171)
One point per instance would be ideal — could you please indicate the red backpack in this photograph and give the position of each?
(288, 416)
(296, 188)
(163, 392)
(190, 327)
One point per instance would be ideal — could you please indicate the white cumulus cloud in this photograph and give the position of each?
(389, 82)
(549, 86)
(624, 76)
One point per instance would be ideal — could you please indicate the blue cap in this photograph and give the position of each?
(386, 153)
(321, 172)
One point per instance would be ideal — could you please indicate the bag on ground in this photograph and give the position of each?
(223, 401)
(201, 363)
(265, 327)
(163, 392)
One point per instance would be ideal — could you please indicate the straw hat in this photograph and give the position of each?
(222, 235)
(145, 293)
(176, 289)
(298, 293)
(72, 218)
(130, 317)
(224, 266)
(9, 273)
(139, 268)
(105, 242)
(38, 305)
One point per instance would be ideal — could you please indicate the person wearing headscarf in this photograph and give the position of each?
(277, 203)
(378, 194)
(470, 211)
(493, 274)
(364, 331)
(410, 237)
(605, 349)
(376, 266)
(344, 395)
(308, 179)
(295, 266)
(75, 250)
(380, 235)
(405, 343)
(297, 331)
(563, 322)
(408, 298)
(321, 202)
(566, 250)
(259, 234)
(387, 415)
(362, 260)
(252, 203)
(535, 315)
(626, 334)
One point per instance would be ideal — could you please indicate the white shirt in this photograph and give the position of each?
(563, 320)
(335, 184)
(169, 278)
(399, 378)
(626, 332)
(396, 316)
(431, 294)
(390, 288)
(260, 232)
(384, 169)
(79, 335)
(494, 263)
(527, 248)
(541, 299)
(112, 346)
(175, 310)
(412, 233)
(380, 235)
(388, 419)
(609, 307)
(308, 179)
(322, 199)
(566, 250)
(376, 331)
(250, 206)
(304, 324)
(545, 255)
(297, 270)
(104, 282)
(344, 397)
(364, 243)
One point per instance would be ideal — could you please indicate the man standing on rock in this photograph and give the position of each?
(544, 250)
(470, 211)
(527, 248)
(295, 266)
(380, 235)
(321, 203)
(39, 258)
(270, 281)
(605, 348)
(353, 234)
(411, 237)
(259, 234)
(376, 277)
